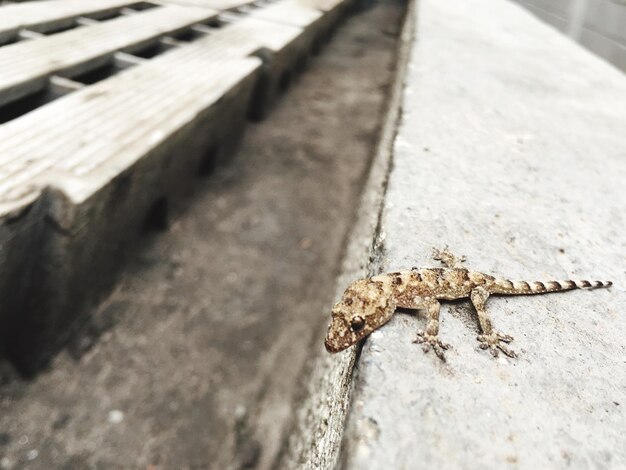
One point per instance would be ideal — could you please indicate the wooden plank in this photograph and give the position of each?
(21, 173)
(27, 65)
(90, 166)
(289, 12)
(250, 35)
(52, 14)
(221, 5)
(224, 5)
(82, 140)
(323, 5)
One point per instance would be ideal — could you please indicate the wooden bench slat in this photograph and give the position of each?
(27, 65)
(69, 138)
(117, 120)
(233, 41)
(221, 5)
(44, 16)
(290, 12)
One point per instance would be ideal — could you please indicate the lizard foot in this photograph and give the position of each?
(496, 341)
(429, 341)
(448, 258)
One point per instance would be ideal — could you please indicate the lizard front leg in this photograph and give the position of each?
(490, 338)
(447, 258)
(429, 338)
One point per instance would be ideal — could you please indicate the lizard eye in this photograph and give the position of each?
(357, 323)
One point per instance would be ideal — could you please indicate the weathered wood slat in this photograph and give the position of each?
(290, 12)
(79, 174)
(323, 5)
(52, 15)
(151, 126)
(68, 141)
(26, 66)
(221, 5)
(277, 9)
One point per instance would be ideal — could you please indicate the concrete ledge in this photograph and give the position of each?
(510, 150)
(316, 439)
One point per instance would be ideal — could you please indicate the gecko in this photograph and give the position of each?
(367, 304)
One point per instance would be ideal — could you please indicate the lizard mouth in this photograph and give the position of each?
(332, 347)
(335, 344)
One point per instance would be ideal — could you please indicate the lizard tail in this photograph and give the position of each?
(506, 287)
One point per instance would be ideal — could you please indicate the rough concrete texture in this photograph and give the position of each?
(195, 358)
(511, 150)
(315, 440)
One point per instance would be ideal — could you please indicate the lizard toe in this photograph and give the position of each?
(496, 342)
(429, 341)
(420, 337)
(505, 338)
(509, 352)
(440, 354)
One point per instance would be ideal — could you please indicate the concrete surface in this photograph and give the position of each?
(316, 435)
(194, 360)
(511, 151)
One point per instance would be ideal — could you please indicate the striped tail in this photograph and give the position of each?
(506, 287)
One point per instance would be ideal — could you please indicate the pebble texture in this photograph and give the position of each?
(511, 151)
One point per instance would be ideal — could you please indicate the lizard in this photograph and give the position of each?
(367, 304)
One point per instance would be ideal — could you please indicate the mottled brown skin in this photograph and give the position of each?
(368, 304)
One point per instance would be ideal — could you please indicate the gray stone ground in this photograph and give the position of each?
(194, 359)
(315, 440)
(512, 151)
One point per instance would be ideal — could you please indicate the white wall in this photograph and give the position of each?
(600, 25)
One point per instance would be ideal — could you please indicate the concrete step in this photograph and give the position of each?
(510, 149)
(115, 137)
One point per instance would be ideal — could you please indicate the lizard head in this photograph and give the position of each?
(366, 305)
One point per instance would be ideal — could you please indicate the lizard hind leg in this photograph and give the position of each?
(429, 338)
(448, 258)
(489, 338)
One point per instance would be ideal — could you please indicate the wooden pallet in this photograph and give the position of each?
(104, 123)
